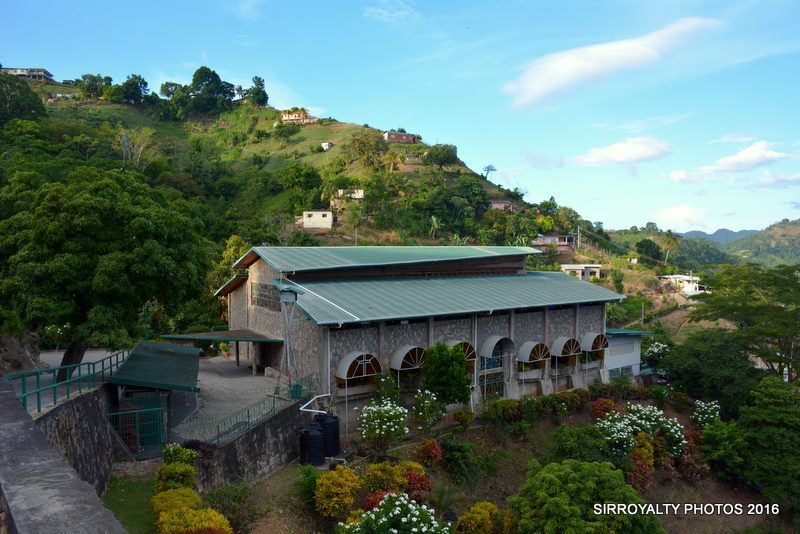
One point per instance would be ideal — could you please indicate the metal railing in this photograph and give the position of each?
(231, 426)
(141, 431)
(43, 383)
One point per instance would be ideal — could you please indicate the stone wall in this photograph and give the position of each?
(492, 325)
(446, 330)
(19, 353)
(560, 322)
(269, 446)
(39, 492)
(79, 431)
(590, 319)
(528, 326)
(396, 335)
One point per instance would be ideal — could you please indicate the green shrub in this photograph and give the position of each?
(429, 452)
(480, 519)
(307, 483)
(531, 409)
(235, 502)
(392, 515)
(386, 388)
(174, 453)
(174, 476)
(188, 521)
(336, 492)
(585, 443)
(428, 410)
(385, 476)
(174, 499)
(659, 394)
(464, 419)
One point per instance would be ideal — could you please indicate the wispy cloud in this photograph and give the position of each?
(769, 179)
(391, 12)
(682, 217)
(626, 152)
(794, 205)
(248, 9)
(542, 161)
(564, 71)
(641, 125)
(756, 155)
(733, 138)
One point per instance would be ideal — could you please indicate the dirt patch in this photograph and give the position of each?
(283, 511)
(135, 469)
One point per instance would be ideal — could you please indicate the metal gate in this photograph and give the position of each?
(140, 423)
(491, 379)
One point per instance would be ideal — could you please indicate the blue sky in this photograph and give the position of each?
(678, 112)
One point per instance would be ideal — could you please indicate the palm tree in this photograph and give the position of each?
(435, 226)
(669, 242)
(394, 160)
(354, 217)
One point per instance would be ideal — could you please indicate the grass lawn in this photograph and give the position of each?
(129, 499)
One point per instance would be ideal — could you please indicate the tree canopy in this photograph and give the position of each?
(17, 100)
(441, 155)
(91, 251)
(560, 497)
(447, 374)
(764, 306)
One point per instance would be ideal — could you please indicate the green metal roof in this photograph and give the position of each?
(297, 259)
(224, 335)
(342, 302)
(160, 366)
(627, 332)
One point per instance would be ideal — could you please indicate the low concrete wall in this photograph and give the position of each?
(38, 491)
(269, 446)
(78, 429)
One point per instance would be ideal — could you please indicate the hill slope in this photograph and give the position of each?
(777, 244)
(721, 236)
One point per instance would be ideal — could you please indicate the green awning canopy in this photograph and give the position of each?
(224, 335)
(160, 366)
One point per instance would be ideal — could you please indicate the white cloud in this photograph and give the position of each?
(248, 9)
(563, 71)
(733, 138)
(756, 155)
(627, 152)
(640, 125)
(681, 217)
(769, 179)
(391, 11)
(687, 177)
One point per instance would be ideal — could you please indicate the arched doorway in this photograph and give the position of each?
(495, 351)
(532, 360)
(407, 358)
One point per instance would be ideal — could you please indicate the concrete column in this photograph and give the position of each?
(430, 331)
(575, 324)
(511, 324)
(544, 334)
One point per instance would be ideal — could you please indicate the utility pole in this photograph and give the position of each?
(579, 238)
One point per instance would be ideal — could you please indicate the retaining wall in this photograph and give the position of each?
(79, 431)
(269, 446)
(39, 492)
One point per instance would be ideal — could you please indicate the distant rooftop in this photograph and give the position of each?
(298, 259)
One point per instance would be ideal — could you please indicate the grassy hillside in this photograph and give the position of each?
(775, 245)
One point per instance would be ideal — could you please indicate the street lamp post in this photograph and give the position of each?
(288, 298)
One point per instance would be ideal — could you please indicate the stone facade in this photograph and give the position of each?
(446, 330)
(529, 326)
(560, 322)
(493, 325)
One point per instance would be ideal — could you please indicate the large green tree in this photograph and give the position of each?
(713, 364)
(17, 100)
(447, 373)
(763, 304)
(368, 147)
(441, 155)
(92, 250)
(648, 251)
(763, 446)
(560, 497)
(257, 94)
(134, 89)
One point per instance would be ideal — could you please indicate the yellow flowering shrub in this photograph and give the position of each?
(174, 499)
(336, 492)
(188, 521)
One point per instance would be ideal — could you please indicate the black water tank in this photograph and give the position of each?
(330, 430)
(312, 445)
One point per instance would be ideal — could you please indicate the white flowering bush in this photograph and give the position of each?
(382, 424)
(397, 514)
(619, 430)
(655, 353)
(618, 434)
(705, 413)
(428, 410)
